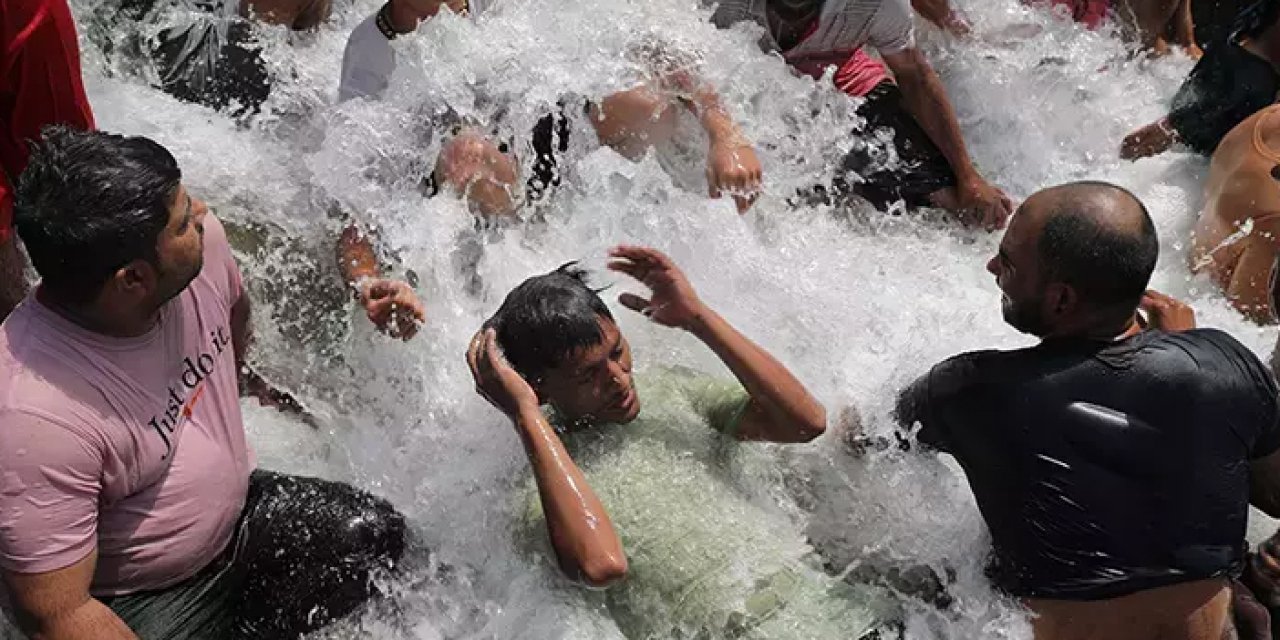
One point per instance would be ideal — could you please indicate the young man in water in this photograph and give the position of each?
(1114, 462)
(812, 35)
(40, 84)
(634, 468)
(131, 505)
(1237, 238)
(1236, 77)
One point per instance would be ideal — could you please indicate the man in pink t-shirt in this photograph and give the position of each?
(129, 503)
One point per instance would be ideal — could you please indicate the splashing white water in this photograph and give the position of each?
(856, 302)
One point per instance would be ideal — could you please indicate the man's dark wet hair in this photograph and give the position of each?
(1088, 243)
(547, 318)
(89, 203)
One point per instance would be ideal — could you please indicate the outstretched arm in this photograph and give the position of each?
(632, 121)
(927, 101)
(392, 305)
(781, 409)
(586, 546)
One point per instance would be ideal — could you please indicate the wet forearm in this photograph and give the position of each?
(92, 620)
(793, 414)
(356, 256)
(926, 100)
(581, 533)
(935, 11)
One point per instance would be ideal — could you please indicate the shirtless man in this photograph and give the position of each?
(1237, 238)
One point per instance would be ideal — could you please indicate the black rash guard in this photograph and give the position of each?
(1105, 468)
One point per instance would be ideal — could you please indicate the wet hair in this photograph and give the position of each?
(1108, 264)
(547, 318)
(89, 203)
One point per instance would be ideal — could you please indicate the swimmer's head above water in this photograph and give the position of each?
(1075, 260)
(560, 336)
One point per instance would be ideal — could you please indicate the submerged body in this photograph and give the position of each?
(704, 557)
(1236, 239)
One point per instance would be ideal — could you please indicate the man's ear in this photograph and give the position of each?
(137, 279)
(1060, 300)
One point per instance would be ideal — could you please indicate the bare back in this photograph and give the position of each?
(1189, 611)
(1238, 234)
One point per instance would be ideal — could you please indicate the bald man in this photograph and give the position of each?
(1237, 238)
(1112, 462)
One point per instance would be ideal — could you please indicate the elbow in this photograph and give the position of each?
(603, 572)
(812, 425)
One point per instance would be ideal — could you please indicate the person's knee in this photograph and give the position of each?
(376, 531)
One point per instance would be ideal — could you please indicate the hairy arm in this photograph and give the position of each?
(57, 606)
(587, 547)
(781, 409)
(927, 101)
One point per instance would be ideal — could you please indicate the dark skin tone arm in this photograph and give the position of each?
(57, 606)
(252, 384)
(391, 305)
(582, 535)
(926, 100)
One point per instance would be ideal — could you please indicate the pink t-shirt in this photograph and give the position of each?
(135, 445)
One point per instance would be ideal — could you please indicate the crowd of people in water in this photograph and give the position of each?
(1114, 462)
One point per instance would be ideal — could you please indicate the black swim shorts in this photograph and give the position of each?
(920, 168)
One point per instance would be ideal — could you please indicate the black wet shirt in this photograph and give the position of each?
(1228, 85)
(1103, 469)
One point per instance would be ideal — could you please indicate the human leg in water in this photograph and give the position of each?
(304, 555)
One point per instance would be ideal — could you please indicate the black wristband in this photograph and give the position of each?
(383, 21)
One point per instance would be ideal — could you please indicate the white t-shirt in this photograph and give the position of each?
(369, 59)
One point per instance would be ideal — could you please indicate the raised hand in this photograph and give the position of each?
(673, 302)
(1167, 313)
(496, 381)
